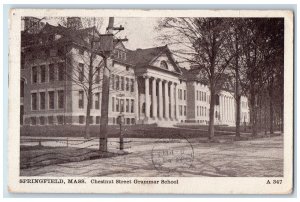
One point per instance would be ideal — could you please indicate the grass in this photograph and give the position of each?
(40, 156)
(132, 131)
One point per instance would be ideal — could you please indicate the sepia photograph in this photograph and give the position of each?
(151, 100)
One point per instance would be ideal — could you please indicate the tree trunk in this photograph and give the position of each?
(88, 113)
(237, 91)
(253, 111)
(238, 116)
(211, 129)
(104, 108)
(271, 106)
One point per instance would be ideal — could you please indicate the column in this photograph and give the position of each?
(154, 99)
(137, 103)
(176, 102)
(160, 99)
(147, 103)
(226, 108)
(166, 99)
(221, 108)
(172, 101)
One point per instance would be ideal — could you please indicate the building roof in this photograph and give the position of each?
(193, 75)
(68, 35)
(142, 58)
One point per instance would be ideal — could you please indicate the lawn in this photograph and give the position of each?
(133, 131)
(40, 156)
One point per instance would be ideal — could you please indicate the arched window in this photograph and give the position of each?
(163, 64)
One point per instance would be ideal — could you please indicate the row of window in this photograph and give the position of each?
(118, 105)
(181, 94)
(43, 120)
(182, 110)
(201, 96)
(122, 83)
(201, 111)
(60, 119)
(95, 100)
(81, 73)
(39, 75)
(38, 100)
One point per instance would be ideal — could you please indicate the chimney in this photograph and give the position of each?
(74, 23)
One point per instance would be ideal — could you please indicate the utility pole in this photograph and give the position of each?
(105, 87)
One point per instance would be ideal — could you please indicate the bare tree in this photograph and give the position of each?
(84, 64)
(202, 42)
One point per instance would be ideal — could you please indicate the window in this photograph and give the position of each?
(127, 105)
(81, 72)
(163, 64)
(97, 79)
(81, 99)
(122, 83)
(132, 85)
(42, 120)
(132, 106)
(143, 107)
(204, 111)
(113, 104)
(43, 73)
(51, 99)
(33, 121)
(91, 120)
(23, 60)
(97, 99)
(184, 91)
(197, 110)
(204, 96)
(184, 112)
(180, 110)
(113, 81)
(60, 119)
(127, 84)
(180, 94)
(50, 120)
(61, 72)
(217, 100)
(42, 100)
(117, 104)
(132, 121)
(81, 119)
(123, 55)
(61, 100)
(34, 74)
(33, 101)
(22, 88)
(51, 72)
(121, 105)
(117, 82)
(97, 119)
